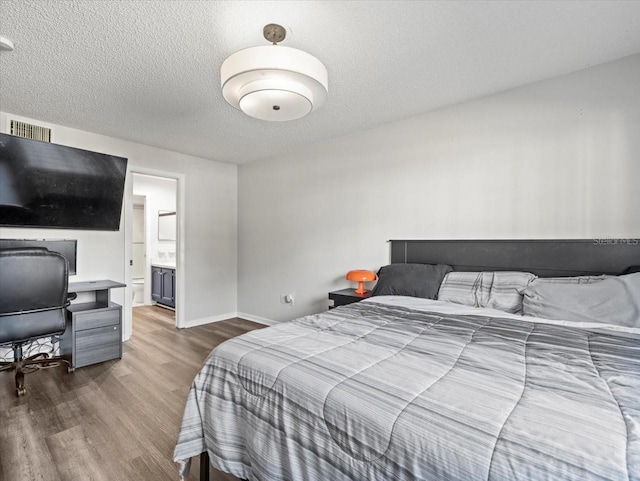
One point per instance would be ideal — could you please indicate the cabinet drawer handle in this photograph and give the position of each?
(115, 327)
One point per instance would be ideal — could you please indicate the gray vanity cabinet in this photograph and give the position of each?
(163, 285)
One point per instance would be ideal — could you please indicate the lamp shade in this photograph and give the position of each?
(361, 276)
(274, 83)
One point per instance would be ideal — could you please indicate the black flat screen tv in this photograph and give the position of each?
(54, 186)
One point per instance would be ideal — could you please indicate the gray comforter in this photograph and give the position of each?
(374, 392)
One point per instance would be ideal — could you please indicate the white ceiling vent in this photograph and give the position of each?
(30, 131)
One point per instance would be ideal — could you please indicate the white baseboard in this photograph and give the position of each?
(209, 320)
(229, 315)
(258, 319)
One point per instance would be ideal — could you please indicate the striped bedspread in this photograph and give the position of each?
(379, 392)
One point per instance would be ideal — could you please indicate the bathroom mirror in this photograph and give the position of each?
(166, 225)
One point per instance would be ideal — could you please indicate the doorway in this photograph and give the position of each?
(153, 245)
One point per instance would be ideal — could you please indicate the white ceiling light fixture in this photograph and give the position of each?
(272, 82)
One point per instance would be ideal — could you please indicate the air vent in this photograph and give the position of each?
(30, 131)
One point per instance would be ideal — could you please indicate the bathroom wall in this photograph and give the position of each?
(138, 248)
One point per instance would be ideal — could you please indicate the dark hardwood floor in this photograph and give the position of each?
(115, 421)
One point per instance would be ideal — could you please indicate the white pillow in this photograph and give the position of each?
(497, 290)
(460, 288)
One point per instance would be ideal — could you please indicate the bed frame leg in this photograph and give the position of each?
(204, 466)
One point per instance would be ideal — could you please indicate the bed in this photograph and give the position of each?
(402, 388)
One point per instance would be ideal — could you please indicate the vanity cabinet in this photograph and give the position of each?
(156, 283)
(163, 285)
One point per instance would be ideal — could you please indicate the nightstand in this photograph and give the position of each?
(346, 296)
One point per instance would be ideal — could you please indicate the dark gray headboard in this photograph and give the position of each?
(545, 258)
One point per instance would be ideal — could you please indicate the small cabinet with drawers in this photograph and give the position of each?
(94, 329)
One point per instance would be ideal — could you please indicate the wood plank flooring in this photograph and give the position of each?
(114, 421)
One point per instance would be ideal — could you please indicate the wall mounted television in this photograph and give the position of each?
(54, 186)
(67, 247)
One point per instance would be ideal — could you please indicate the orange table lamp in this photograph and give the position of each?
(361, 276)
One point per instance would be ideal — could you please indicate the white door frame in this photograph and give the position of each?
(127, 322)
(144, 210)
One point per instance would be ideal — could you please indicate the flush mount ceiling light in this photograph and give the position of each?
(273, 82)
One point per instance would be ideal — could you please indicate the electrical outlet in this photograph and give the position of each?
(287, 299)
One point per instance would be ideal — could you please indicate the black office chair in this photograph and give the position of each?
(33, 297)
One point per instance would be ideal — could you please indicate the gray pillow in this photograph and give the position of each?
(415, 280)
(613, 300)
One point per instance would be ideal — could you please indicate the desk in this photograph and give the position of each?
(94, 329)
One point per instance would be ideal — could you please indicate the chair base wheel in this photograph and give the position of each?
(21, 391)
(70, 369)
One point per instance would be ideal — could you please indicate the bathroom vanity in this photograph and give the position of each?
(163, 284)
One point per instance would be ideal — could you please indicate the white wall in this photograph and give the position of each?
(210, 225)
(555, 159)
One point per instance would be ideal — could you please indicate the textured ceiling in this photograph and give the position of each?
(149, 71)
